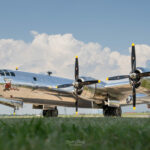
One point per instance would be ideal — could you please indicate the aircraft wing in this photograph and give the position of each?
(120, 93)
(11, 103)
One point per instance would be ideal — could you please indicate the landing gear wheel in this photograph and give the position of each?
(50, 113)
(112, 111)
(54, 113)
(118, 111)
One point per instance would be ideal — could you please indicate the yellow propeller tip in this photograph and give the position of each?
(134, 108)
(76, 113)
(99, 81)
(56, 87)
(16, 68)
(107, 78)
(133, 44)
(76, 56)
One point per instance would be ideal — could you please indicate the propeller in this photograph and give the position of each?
(134, 76)
(78, 83)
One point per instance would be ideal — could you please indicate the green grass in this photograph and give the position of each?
(75, 133)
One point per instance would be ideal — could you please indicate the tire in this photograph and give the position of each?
(112, 111)
(50, 113)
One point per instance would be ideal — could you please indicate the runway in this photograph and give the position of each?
(124, 115)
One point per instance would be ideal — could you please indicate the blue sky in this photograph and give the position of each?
(115, 24)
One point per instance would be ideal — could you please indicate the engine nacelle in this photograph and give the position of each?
(87, 91)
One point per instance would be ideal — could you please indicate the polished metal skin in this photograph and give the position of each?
(41, 89)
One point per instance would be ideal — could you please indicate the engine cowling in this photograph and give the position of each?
(135, 78)
(80, 87)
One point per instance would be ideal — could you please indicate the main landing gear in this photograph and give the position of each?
(112, 111)
(52, 112)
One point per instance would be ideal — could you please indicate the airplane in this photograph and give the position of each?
(46, 92)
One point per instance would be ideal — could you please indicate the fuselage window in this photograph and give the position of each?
(6, 73)
(12, 74)
(34, 78)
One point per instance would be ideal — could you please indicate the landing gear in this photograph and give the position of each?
(112, 111)
(50, 112)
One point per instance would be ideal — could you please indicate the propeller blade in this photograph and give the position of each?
(76, 69)
(64, 85)
(134, 96)
(76, 104)
(144, 74)
(118, 77)
(89, 82)
(133, 58)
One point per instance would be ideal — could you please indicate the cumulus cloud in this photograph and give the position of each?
(56, 53)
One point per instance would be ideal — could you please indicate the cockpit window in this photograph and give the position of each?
(2, 73)
(12, 74)
(7, 73)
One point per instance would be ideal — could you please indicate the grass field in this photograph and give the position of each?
(75, 133)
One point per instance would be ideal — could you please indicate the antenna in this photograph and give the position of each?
(49, 73)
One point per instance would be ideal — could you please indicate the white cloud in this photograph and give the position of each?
(57, 52)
